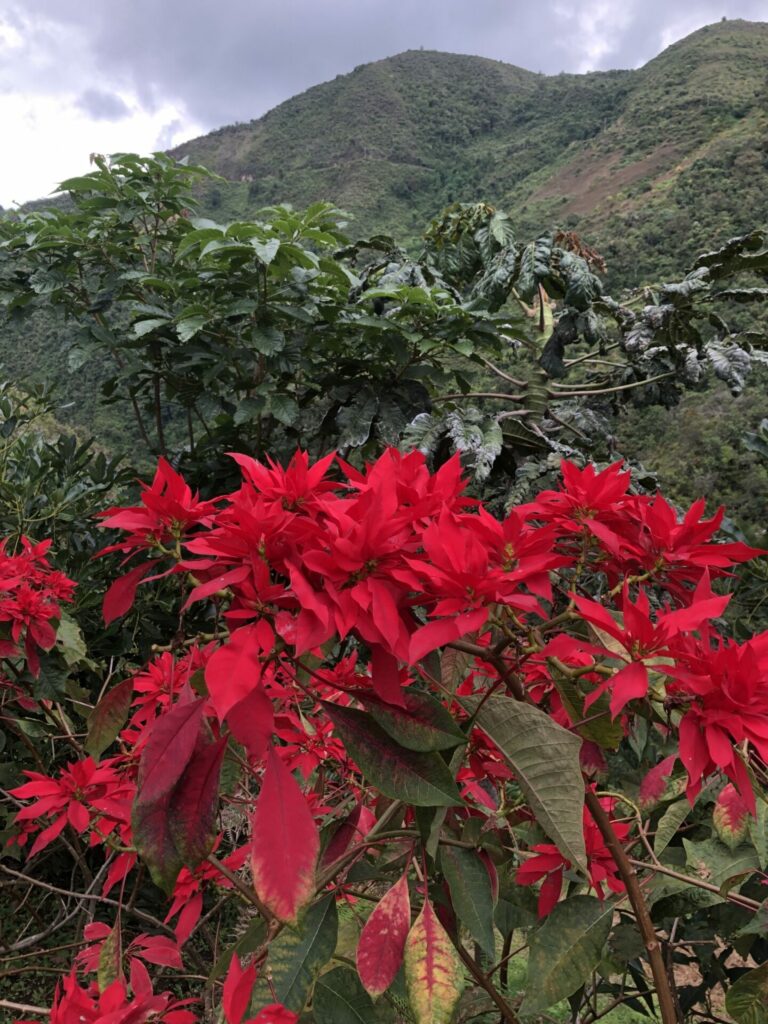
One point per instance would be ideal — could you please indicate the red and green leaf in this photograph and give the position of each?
(108, 717)
(382, 941)
(168, 751)
(285, 843)
(194, 802)
(433, 971)
(731, 817)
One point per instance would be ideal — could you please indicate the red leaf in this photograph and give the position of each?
(194, 802)
(238, 986)
(285, 843)
(168, 750)
(731, 817)
(385, 676)
(234, 670)
(355, 827)
(120, 596)
(251, 721)
(655, 782)
(628, 683)
(108, 717)
(439, 632)
(382, 942)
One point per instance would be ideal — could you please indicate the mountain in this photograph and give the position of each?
(653, 164)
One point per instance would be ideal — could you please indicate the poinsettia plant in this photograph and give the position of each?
(405, 760)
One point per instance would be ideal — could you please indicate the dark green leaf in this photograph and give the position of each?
(423, 724)
(471, 896)
(565, 950)
(420, 779)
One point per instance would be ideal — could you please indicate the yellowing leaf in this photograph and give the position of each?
(433, 971)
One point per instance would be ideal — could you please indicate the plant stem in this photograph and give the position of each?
(507, 1013)
(634, 892)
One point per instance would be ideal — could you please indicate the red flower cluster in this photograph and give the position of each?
(385, 566)
(549, 863)
(30, 596)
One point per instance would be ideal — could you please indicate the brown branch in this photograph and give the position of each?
(634, 892)
(507, 1013)
(6, 1004)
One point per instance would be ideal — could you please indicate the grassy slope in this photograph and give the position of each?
(654, 164)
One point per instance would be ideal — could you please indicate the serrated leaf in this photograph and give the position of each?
(423, 724)
(433, 970)
(565, 950)
(545, 760)
(470, 886)
(297, 955)
(420, 779)
(747, 999)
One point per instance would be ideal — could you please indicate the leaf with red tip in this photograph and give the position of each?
(433, 971)
(194, 802)
(108, 717)
(731, 817)
(121, 594)
(238, 986)
(655, 784)
(382, 941)
(169, 748)
(285, 843)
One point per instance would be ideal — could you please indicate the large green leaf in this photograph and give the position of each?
(420, 779)
(471, 896)
(545, 760)
(747, 998)
(565, 950)
(341, 999)
(297, 955)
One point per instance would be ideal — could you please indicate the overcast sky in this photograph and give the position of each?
(78, 76)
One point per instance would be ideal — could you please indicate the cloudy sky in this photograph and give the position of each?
(78, 76)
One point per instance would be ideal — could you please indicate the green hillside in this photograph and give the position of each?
(653, 164)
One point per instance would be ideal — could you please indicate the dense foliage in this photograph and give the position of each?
(399, 699)
(444, 725)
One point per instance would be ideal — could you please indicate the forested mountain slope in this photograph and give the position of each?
(653, 164)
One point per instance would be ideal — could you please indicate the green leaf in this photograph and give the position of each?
(747, 999)
(423, 724)
(145, 326)
(266, 251)
(565, 950)
(713, 860)
(268, 340)
(340, 999)
(545, 760)
(471, 896)
(669, 823)
(108, 717)
(420, 779)
(297, 955)
(109, 959)
(284, 409)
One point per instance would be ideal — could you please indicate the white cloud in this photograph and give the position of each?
(51, 138)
